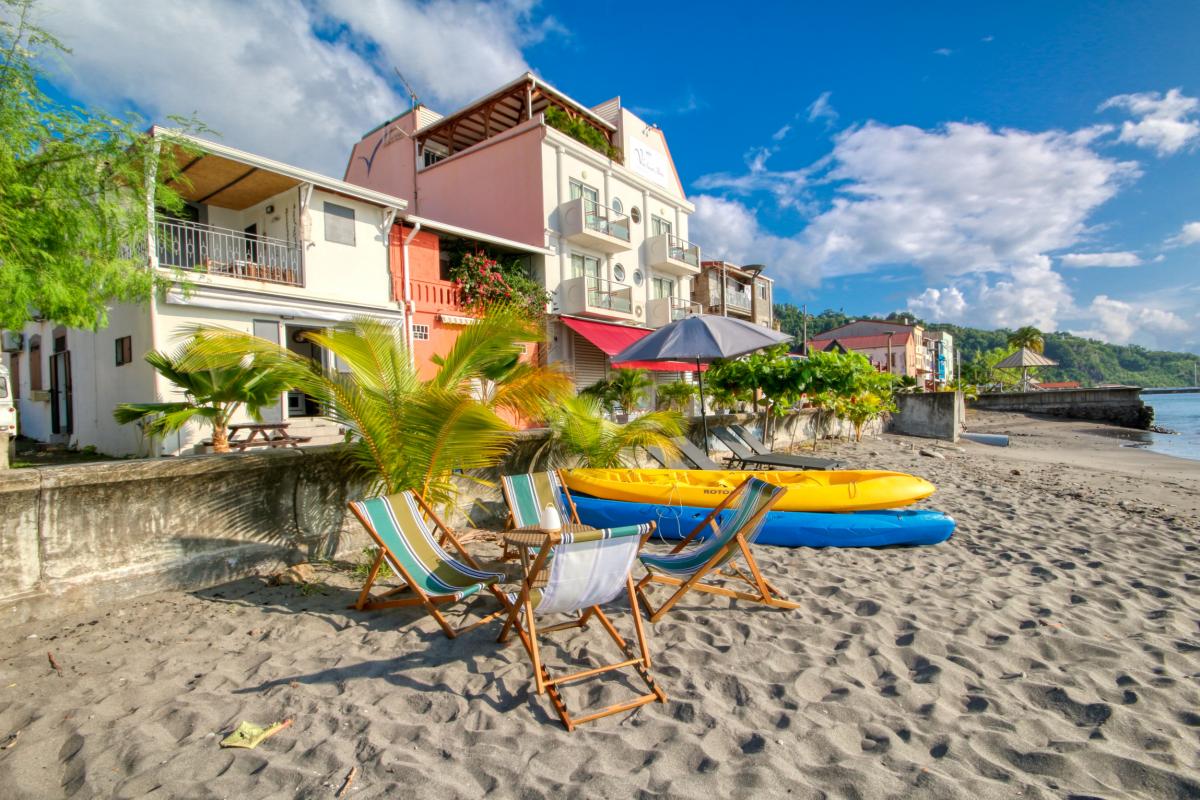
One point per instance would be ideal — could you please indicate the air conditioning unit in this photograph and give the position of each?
(11, 341)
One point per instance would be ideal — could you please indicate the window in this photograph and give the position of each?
(124, 350)
(658, 226)
(762, 291)
(421, 333)
(663, 287)
(35, 363)
(637, 277)
(619, 273)
(580, 189)
(616, 205)
(584, 265)
(339, 224)
(14, 372)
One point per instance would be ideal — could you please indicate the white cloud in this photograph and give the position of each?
(940, 305)
(1188, 234)
(959, 199)
(298, 81)
(1116, 259)
(1166, 122)
(821, 110)
(727, 230)
(1120, 322)
(943, 51)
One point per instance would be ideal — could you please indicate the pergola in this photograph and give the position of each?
(504, 109)
(1023, 360)
(205, 178)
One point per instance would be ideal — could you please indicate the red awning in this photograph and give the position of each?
(612, 339)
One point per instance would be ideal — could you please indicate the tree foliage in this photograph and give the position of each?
(1028, 337)
(406, 433)
(581, 436)
(73, 188)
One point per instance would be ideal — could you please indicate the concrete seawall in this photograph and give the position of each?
(1118, 406)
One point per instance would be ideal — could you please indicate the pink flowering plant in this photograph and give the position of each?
(484, 282)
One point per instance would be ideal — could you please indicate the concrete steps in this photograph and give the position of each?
(319, 429)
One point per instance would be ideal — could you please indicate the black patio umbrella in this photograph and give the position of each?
(702, 338)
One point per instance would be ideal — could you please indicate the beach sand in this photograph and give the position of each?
(1049, 650)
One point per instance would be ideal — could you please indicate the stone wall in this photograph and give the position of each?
(933, 415)
(1117, 406)
(79, 535)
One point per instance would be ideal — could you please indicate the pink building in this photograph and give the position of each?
(591, 193)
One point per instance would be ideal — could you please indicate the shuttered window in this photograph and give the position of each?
(339, 224)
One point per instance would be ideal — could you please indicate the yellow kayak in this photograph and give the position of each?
(830, 491)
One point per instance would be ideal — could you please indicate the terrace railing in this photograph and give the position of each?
(683, 250)
(603, 219)
(603, 293)
(220, 251)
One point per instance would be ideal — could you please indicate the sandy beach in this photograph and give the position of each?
(1050, 649)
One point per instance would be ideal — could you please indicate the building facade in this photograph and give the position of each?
(261, 247)
(729, 290)
(591, 193)
(905, 350)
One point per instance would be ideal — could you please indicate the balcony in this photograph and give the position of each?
(668, 253)
(664, 310)
(437, 296)
(218, 251)
(587, 296)
(596, 227)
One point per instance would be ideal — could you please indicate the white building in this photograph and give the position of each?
(264, 248)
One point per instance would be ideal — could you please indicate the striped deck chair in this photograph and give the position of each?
(586, 570)
(732, 537)
(399, 524)
(526, 496)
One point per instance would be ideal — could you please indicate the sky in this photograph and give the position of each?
(988, 164)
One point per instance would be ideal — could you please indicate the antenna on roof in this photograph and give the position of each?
(412, 94)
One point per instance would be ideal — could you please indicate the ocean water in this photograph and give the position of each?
(1180, 413)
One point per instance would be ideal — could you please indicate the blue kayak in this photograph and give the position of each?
(782, 528)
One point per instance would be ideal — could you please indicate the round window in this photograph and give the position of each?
(637, 277)
(619, 273)
(616, 205)
(635, 214)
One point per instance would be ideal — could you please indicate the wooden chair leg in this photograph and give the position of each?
(366, 590)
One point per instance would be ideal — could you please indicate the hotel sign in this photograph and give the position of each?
(650, 164)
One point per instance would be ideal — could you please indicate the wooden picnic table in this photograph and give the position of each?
(263, 434)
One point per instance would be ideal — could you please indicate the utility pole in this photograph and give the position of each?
(804, 323)
(890, 334)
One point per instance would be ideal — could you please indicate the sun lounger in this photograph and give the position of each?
(399, 524)
(761, 449)
(688, 450)
(666, 461)
(686, 569)
(586, 570)
(742, 457)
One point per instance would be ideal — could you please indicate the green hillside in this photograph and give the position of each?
(1085, 360)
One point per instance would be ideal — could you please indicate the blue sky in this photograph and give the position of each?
(972, 164)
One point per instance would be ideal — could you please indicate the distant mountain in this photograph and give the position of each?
(1085, 360)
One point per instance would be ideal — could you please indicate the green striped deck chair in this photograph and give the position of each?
(584, 570)
(400, 526)
(526, 496)
(686, 569)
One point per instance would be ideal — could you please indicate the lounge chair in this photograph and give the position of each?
(527, 494)
(665, 461)
(691, 452)
(742, 457)
(398, 524)
(586, 570)
(760, 448)
(733, 536)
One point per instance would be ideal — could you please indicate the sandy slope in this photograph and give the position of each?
(1049, 650)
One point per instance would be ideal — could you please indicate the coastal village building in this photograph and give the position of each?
(598, 210)
(906, 350)
(262, 247)
(730, 290)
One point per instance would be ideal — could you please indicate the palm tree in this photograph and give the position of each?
(1029, 337)
(627, 388)
(407, 433)
(212, 395)
(580, 435)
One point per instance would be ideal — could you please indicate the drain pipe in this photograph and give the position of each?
(408, 302)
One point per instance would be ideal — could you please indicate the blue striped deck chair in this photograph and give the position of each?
(582, 571)
(526, 496)
(686, 569)
(400, 526)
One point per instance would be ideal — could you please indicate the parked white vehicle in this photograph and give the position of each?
(8, 406)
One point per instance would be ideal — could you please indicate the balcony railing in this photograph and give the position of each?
(737, 296)
(603, 293)
(602, 219)
(683, 250)
(219, 251)
(681, 308)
